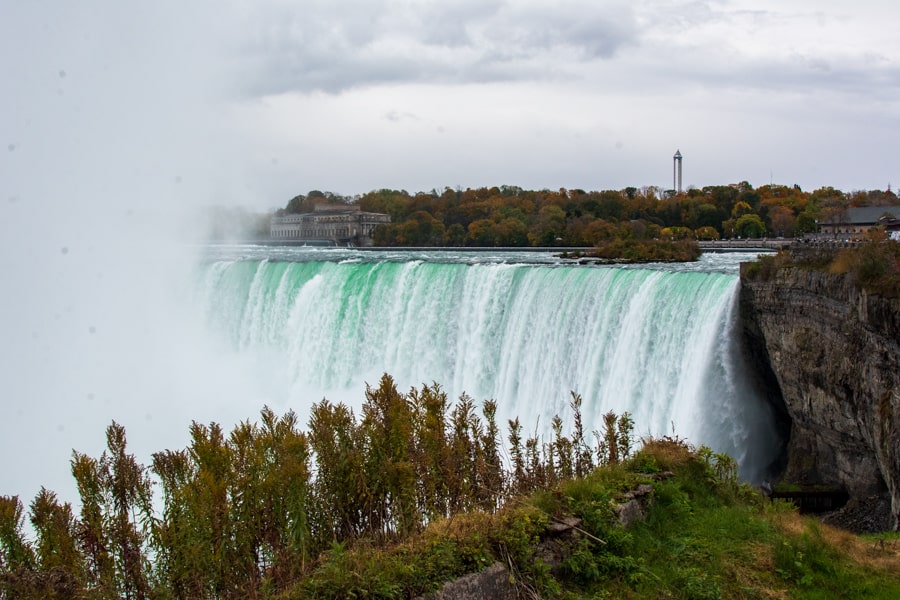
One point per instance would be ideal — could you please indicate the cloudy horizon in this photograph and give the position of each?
(285, 97)
(359, 96)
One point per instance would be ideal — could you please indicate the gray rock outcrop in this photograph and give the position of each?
(834, 351)
(493, 582)
(497, 582)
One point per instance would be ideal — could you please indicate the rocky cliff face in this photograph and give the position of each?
(835, 354)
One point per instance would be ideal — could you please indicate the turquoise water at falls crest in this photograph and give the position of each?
(657, 343)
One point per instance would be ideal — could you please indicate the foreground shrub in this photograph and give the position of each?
(269, 511)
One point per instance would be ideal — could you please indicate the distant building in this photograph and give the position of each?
(856, 221)
(343, 225)
(892, 227)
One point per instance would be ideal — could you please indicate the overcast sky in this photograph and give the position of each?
(118, 118)
(596, 95)
(280, 97)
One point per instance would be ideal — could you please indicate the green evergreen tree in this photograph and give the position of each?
(17, 560)
(340, 493)
(56, 546)
(583, 456)
(432, 453)
(386, 429)
(92, 533)
(517, 453)
(176, 543)
(491, 478)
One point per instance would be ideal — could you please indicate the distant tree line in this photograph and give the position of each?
(247, 513)
(511, 216)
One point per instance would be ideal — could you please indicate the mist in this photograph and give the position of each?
(112, 144)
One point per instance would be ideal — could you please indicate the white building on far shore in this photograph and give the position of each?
(344, 225)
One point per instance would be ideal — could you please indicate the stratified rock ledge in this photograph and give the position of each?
(835, 353)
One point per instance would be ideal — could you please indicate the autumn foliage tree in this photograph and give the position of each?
(511, 216)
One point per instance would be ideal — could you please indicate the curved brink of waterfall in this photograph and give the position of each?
(661, 345)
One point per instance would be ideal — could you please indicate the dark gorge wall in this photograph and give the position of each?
(834, 353)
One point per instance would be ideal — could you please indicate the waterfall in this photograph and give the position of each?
(659, 344)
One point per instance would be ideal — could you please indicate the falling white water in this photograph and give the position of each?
(656, 343)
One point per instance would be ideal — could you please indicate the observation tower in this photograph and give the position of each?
(676, 172)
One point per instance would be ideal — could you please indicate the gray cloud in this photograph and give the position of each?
(589, 32)
(334, 48)
(395, 116)
(650, 46)
(791, 73)
(790, 49)
(451, 23)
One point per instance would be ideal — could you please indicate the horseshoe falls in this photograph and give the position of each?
(660, 343)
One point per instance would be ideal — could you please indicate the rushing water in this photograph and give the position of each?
(523, 328)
